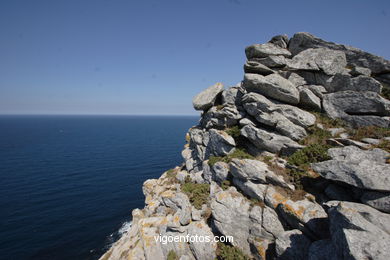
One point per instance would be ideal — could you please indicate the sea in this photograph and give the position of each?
(68, 184)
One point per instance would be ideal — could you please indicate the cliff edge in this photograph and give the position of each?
(291, 163)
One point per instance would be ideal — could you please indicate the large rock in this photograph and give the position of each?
(220, 118)
(377, 200)
(220, 171)
(359, 232)
(272, 61)
(280, 40)
(205, 99)
(272, 86)
(257, 171)
(202, 249)
(358, 108)
(271, 222)
(343, 82)
(326, 60)
(220, 143)
(292, 244)
(264, 50)
(309, 99)
(232, 95)
(252, 190)
(257, 67)
(355, 57)
(356, 167)
(270, 141)
(230, 211)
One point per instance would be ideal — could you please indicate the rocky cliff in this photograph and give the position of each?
(292, 162)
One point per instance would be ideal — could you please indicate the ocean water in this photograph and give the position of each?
(68, 183)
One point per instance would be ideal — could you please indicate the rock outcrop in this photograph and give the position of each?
(293, 162)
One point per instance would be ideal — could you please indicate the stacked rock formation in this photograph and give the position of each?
(288, 83)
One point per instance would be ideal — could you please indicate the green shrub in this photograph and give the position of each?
(226, 252)
(225, 184)
(316, 135)
(386, 92)
(237, 153)
(198, 194)
(172, 255)
(171, 173)
(233, 131)
(310, 154)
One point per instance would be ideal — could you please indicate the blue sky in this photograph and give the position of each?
(153, 56)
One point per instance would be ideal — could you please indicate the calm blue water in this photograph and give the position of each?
(68, 183)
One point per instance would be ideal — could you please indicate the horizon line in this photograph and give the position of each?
(47, 114)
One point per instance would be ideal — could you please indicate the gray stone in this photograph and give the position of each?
(272, 86)
(372, 141)
(220, 143)
(246, 121)
(357, 71)
(355, 57)
(205, 99)
(296, 79)
(257, 67)
(308, 216)
(202, 249)
(220, 171)
(329, 61)
(227, 208)
(359, 231)
(356, 107)
(318, 90)
(292, 244)
(377, 200)
(271, 222)
(272, 61)
(343, 82)
(220, 118)
(309, 99)
(232, 95)
(252, 190)
(346, 142)
(269, 113)
(255, 170)
(264, 50)
(270, 141)
(280, 40)
(356, 167)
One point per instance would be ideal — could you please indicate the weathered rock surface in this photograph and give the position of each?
(272, 86)
(358, 108)
(309, 99)
(257, 67)
(264, 50)
(359, 232)
(356, 167)
(221, 143)
(302, 41)
(292, 244)
(269, 141)
(329, 61)
(206, 98)
(377, 200)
